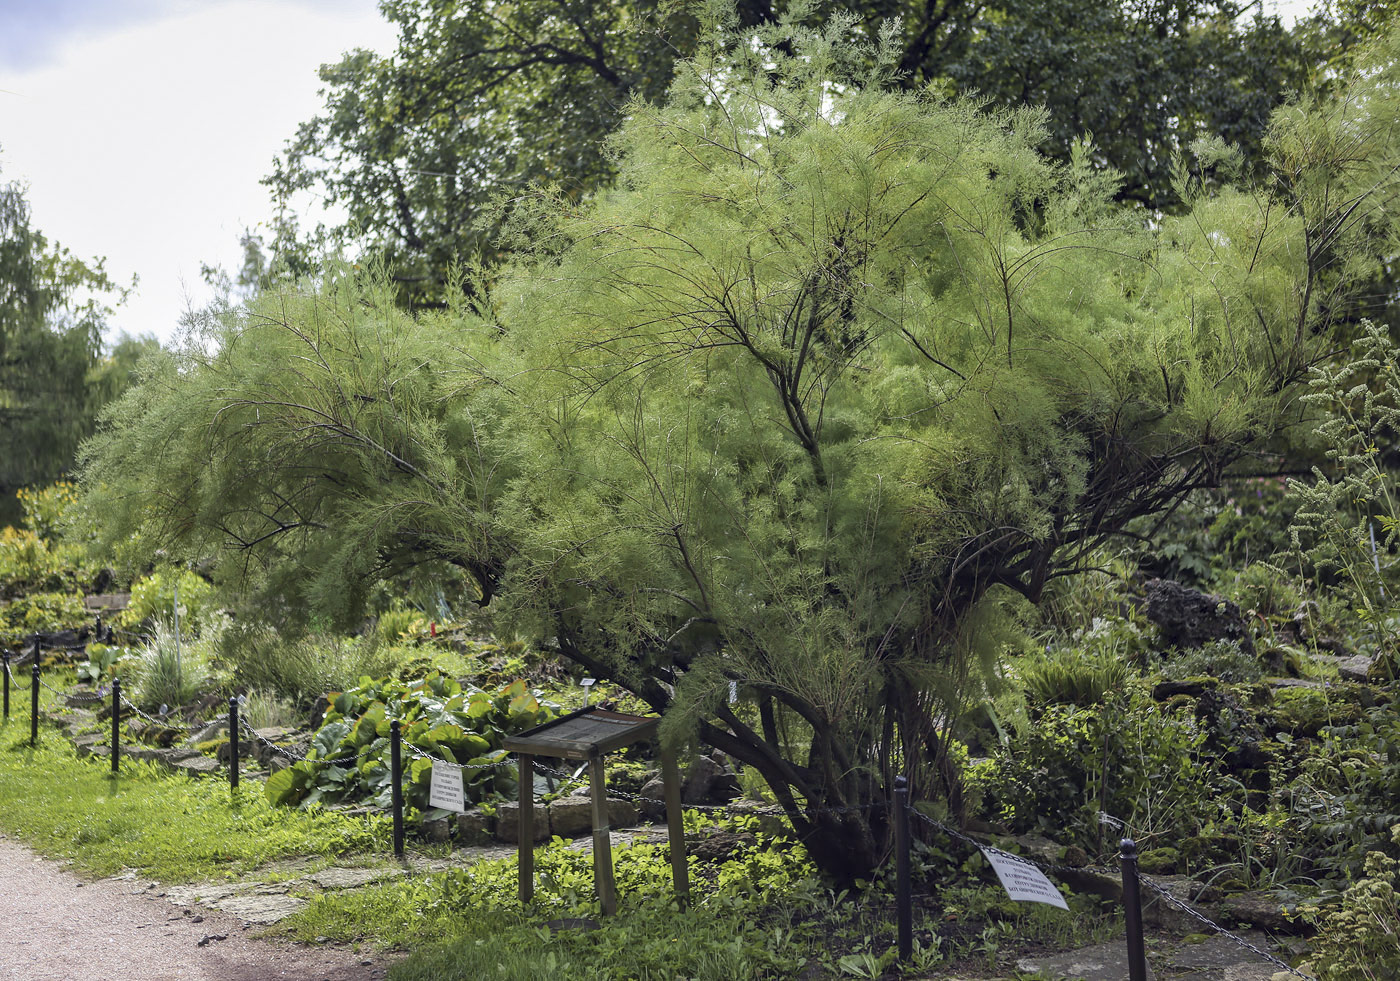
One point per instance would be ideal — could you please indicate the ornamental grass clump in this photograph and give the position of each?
(168, 669)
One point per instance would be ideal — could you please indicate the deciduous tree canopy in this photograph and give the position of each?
(51, 316)
(426, 147)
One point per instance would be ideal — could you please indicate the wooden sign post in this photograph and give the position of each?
(590, 734)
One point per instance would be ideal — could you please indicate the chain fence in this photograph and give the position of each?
(14, 682)
(85, 696)
(1162, 891)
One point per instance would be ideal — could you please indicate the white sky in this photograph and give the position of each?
(142, 127)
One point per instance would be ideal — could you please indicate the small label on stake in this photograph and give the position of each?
(1022, 880)
(446, 788)
(586, 684)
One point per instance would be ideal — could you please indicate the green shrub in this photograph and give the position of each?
(1360, 937)
(401, 623)
(264, 710)
(42, 613)
(1071, 676)
(1129, 757)
(301, 669)
(44, 508)
(103, 663)
(438, 716)
(153, 598)
(29, 563)
(1220, 659)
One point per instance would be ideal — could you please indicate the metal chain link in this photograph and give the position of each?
(247, 726)
(15, 681)
(1196, 914)
(166, 724)
(81, 696)
(425, 755)
(1156, 887)
(1046, 866)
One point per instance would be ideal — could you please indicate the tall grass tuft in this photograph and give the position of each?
(167, 672)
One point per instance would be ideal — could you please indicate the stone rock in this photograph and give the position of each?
(1259, 909)
(437, 830)
(1355, 668)
(1189, 618)
(85, 742)
(1158, 912)
(653, 794)
(1221, 957)
(262, 909)
(1193, 687)
(198, 765)
(722, 846)
(1101, 962)
(104, 601)
(275, 734)
(571, 817)
(508, 823)
(474, 827)
(334, 878)
(246, 750)
(621, 813)
(1043, 849)
(696, 787)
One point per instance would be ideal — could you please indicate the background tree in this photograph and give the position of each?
(51, 317)
(834, 377)
(426, 147)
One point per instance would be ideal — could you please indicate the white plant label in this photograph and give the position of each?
(1022, 880)
(587, 685)
(446, 788)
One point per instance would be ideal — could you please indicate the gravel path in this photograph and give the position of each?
(56, 927)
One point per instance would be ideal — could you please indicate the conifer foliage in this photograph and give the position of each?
(832, 374)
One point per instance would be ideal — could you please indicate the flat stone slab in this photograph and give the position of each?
(196, 766)
(480, 853)
(1101, 962)
(351, 878)
(1221, 959)
(1217, 958)
(261, 909)
(206, 892)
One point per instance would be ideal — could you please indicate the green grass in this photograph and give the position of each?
(744, 923)
(166, 826)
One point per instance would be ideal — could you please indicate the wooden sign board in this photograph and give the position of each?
(583, 734)
(589, 734)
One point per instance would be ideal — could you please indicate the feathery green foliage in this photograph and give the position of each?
(832, 375)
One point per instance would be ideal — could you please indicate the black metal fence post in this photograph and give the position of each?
(7, 685)
(34, 699)
(116, 724)
(396, 780)
(1132, 909)
(233, 742)
(903, 895)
